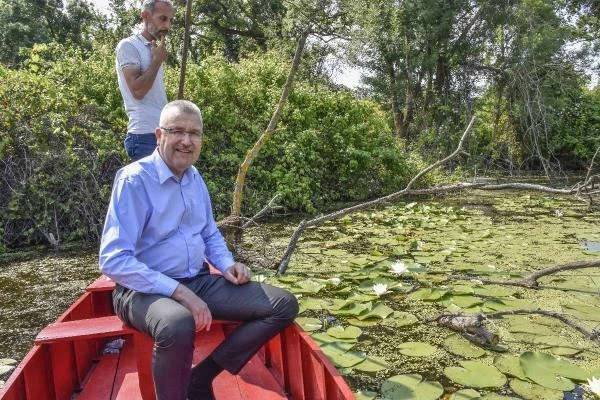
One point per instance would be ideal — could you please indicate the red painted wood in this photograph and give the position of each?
(143, 353)
(293, 375)
(294, 362)
(38, 378)
(103, 283)
(83, 329)
(314, 375)
(100, 383)
(126, 386)
(256, 382)
(63, 368)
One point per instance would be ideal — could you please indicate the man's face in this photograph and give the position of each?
(179, 140)
(158, 22)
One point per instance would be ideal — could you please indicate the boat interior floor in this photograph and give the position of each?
(115, 377)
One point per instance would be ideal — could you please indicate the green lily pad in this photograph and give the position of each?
(416, 349)
(476, 374)
(460, 346)
(399, 319)
(348, 333)
(308, 286)
(465, 394)
(372, 364)
(322, 338)
(6, 368)
(510, 365)
(380, 311)
(494, 396)
(410, 387)
(428, 294)
(365, 395)
(309, 324)
(342, 358)
(532, 391)
(352, 309)
(366, 323)
(551, 372)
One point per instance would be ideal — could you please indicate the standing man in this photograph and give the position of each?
(139, 63)
(159, 230)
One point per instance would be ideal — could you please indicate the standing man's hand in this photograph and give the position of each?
(238, 274)
(197, 306)
(159, 52)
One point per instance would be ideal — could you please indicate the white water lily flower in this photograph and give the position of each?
(594, 385)
(477, 281)
(335, 281)
(398, 268)
(260, 278)
(380, 288)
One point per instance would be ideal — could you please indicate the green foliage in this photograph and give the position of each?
(63, 140)
(59, 149)
(328, 147)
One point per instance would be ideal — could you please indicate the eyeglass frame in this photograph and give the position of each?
(178, 132)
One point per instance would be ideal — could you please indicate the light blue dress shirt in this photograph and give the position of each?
(159, 228)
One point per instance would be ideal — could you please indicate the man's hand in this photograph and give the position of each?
(238, 274)
(198, 308)
(159, 53)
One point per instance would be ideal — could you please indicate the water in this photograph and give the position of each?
(36, 287)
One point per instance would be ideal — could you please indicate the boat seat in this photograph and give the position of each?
(115, 373)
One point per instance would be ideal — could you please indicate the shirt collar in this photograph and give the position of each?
(164, 172)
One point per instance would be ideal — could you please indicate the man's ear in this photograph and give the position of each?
(158, 133)
(145, 14)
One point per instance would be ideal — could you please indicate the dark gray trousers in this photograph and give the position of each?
(264, 310)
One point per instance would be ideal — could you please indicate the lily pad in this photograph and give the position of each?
(308, 286)
(532, 391)
(476, 374)
(372, 364)
(510, 365)
(410, 387)
(551, 372)
(341, 358)
(365, 395)
(399, 319)
(416, 349)
(348, 333)
(460, 346)
(6, 368)
(465, 394)
(379, 311)
(309, 324)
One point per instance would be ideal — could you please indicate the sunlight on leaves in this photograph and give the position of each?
(410, 387)
(476, 374)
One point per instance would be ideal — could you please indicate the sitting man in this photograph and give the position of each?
(159, 231)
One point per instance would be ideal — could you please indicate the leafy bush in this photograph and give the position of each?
(63, 125)
(328, 147)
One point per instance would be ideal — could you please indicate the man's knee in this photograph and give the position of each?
(287, 306)
(175, 332)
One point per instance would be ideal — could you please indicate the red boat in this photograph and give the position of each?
(69, 361)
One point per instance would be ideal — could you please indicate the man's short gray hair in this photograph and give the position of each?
(148, 5)
(184, 106)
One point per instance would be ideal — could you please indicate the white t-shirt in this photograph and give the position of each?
(143, 114)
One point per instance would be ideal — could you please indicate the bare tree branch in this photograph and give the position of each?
(340, 213)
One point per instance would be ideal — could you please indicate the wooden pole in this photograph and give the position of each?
(186, 39)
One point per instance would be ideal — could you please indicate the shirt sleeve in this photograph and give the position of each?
(127, 56)
(216, 251)
(125, 220)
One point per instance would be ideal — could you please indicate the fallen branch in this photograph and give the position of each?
(593, 335)
(531, 281)
(283, 264)
(262, 212)
(471, 326)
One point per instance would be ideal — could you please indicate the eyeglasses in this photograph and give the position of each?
(179, 133)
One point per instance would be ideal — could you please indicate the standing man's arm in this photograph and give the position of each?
(139, 83)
